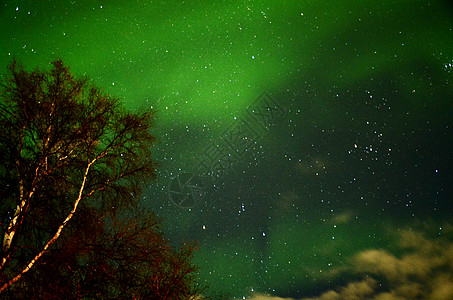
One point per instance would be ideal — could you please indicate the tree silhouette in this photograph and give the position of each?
(117, 257)
(74, 161)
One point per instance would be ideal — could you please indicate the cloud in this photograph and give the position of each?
(259, 296)
(380, 262)
(442, 287)
(423, 270)
(419, 268)
(354, 290)
(343, 218)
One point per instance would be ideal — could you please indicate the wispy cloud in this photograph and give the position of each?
(420, 268)
(258, 296)
(343, 217)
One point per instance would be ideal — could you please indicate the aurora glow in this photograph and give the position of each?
(362, 155)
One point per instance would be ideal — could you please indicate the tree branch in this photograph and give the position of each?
(55, 237)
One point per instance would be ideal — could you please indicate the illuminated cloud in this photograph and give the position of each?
(422, 268)
(343, 218)
(353, 290)
(259, 296)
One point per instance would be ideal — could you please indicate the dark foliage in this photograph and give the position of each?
(118, 256)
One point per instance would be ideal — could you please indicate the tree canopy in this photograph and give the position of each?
(73, 164)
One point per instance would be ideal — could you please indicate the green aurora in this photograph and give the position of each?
(362, 154)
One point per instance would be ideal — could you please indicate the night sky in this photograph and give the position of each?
(307, 145)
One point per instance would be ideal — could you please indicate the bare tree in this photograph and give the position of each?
(66, 147)
(113, 257)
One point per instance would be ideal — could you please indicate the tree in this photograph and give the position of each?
(74, 161)
(119, 257)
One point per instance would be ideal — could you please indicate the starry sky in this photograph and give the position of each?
(305, 144)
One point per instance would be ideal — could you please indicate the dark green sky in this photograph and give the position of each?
(332, 121)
